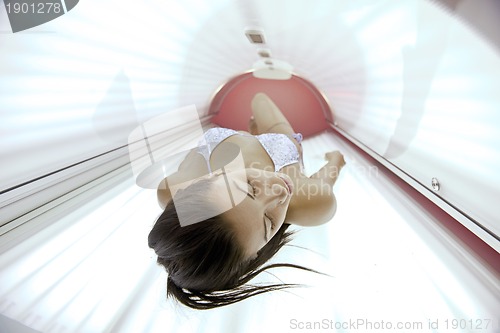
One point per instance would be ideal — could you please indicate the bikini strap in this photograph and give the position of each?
(298, 137)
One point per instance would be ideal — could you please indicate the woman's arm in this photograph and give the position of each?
(330, 172)
(163, 194)
(314, 202)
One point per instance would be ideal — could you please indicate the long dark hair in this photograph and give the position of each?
(205, 264)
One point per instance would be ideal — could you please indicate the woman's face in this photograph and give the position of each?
(262, 199)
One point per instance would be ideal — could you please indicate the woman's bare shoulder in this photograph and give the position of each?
(192, 166)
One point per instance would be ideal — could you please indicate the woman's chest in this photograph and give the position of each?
(241, 150)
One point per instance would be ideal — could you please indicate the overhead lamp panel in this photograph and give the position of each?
(255, 36)
(264, 53)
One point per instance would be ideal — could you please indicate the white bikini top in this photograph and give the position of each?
(279, 147)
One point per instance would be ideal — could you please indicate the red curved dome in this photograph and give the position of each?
(302, 104)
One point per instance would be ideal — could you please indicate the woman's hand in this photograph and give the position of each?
(335, 158)
(330, 172)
